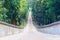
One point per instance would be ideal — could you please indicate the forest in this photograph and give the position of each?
(16, 11)
(46, 11)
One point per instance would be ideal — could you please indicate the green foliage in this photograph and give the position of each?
(2, 11)
(22, 16)
(46, 11)
(14, 11)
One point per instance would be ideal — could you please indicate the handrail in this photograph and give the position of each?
(49, 25)
(11, 25)
(52, 24)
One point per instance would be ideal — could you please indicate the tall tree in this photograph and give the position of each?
(17, 11)
(3, 11)
(46, 11)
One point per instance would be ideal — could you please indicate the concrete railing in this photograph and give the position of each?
(52, 24)
(49, 25)
(1, 22)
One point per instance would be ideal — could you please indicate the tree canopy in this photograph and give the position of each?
(14, 11)
(46, 11)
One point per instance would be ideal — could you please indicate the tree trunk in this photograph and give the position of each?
(14, 22)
